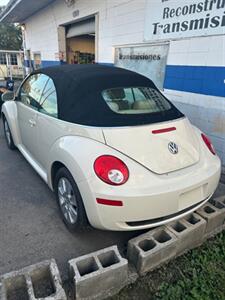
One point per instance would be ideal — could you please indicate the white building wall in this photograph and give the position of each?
(120, 22)
(205, 111)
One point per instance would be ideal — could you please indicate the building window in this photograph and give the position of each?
(3, 59)
(37, 61)
(13, 59)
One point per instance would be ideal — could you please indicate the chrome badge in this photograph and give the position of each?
(173, 148)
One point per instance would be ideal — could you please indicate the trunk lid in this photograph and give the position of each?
(151, 148)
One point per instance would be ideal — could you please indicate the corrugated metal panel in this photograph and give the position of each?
(19, 10)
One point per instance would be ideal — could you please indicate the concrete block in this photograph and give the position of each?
(151, 249)
(100, 274)
(189, 232)
(39, 281)
(214, 214)
(220, 199)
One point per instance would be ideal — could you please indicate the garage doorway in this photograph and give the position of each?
(80, 42)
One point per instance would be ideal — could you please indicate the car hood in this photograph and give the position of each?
(149, 145)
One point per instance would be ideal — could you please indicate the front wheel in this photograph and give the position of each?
(70, 201)
(8, 135)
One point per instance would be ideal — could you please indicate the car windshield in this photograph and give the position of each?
(135, 100)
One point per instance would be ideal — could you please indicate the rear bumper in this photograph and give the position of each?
(163, 220)
(155, 200)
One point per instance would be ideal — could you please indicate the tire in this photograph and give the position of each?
(69, 201)
(1, 104)
(8, 135)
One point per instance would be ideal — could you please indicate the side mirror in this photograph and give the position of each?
(8, 96)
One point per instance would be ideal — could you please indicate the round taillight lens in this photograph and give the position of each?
(208, 144)
(111, 170)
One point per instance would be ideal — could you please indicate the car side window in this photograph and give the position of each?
(48, 102)
(32, 89)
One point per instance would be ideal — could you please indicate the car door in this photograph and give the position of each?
(49, 128)
(27, 106)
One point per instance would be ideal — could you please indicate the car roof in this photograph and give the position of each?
(85, 68)
(79, 93)
(83, 72)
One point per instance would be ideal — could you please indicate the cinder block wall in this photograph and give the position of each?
(195, 71)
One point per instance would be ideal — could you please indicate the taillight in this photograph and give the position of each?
(208, 144)
(111, 170)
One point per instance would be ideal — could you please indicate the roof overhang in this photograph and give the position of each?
(17, 11)
(11, 51)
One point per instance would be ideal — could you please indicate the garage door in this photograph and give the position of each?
(81, 28)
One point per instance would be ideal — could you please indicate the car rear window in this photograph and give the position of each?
(135, 100)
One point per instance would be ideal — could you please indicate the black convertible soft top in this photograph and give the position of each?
(79, 93)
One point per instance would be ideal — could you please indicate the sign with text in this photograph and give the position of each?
(149, 61)
(171, 19)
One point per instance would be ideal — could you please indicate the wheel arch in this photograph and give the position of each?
(3, 116)
(9, 113)
(55, 167)
(78, 154)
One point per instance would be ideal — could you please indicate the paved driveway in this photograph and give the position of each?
(30, 227)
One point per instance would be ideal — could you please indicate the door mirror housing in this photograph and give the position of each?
(8, 96)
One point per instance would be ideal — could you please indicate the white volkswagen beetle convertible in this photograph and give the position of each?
(114, 150)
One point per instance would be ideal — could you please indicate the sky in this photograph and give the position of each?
(3, 2)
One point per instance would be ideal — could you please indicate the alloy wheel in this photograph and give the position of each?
(67, 200)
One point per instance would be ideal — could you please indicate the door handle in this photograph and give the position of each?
(32, 122)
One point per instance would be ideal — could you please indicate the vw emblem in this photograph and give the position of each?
(173, 148)
(69, 2)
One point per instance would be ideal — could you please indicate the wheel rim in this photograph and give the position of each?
(67, 200)
(7, 132)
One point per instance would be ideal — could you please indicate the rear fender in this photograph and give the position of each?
(78, 154)
(9, 111)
